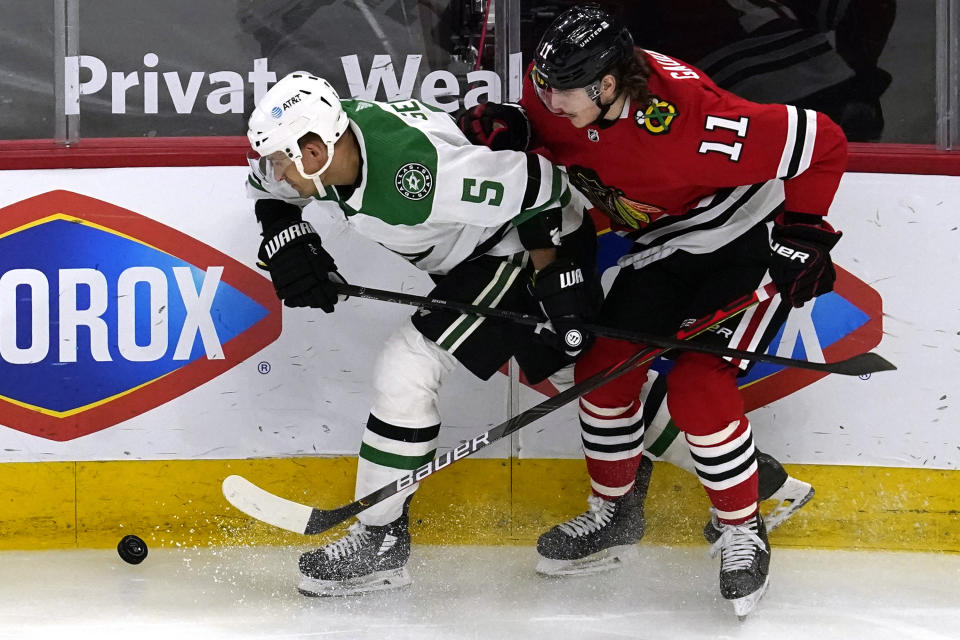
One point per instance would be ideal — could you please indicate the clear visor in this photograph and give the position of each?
(548, 96)
(545, 92)
(553, 98)
(279, 162)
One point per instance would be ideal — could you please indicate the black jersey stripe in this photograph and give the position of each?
(484, 247)
(401, 434)
(726, 211)
(534, 180)
(665, 222)
(798, 144)
(556, 195)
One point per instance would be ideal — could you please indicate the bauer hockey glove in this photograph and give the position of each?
(800, 264)
(502, 127)
(303, 273)
(567, 301)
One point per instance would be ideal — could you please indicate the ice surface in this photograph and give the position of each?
(476, 593)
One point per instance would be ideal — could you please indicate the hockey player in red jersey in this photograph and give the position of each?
(719, 195)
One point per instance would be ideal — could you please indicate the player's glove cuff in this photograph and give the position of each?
(498, 126)
(801, 267)
(565, 298)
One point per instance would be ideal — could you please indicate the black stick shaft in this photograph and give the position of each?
(861, 364)
(323, 519)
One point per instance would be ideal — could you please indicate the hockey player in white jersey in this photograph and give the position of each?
(493, 228)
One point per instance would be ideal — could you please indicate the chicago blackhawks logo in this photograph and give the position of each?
(414, 181)
(657, 117)
(610, 200)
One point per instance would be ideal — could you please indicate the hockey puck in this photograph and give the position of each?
(132, 549)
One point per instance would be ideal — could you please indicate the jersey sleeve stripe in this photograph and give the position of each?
(533, 181)
(800, 139)
(788, 147)
(550, 185)
(809, 140)
(559, 194)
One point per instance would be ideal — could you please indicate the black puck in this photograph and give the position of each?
(132, 549)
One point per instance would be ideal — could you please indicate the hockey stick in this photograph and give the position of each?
(300, 518)
(858, 365)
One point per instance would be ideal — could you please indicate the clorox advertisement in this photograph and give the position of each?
(106, 314)
(134, 324)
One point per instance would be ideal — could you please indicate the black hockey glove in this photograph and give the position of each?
(566, 299)
(800, 262)
(303, 273)
(498, 126)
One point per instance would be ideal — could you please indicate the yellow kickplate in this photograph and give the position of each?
(38, 507)
(179, 503)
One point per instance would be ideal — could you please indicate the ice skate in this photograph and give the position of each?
(744, 564)
(774, 484)
(600, 539)
(790, 497)
(365, 559)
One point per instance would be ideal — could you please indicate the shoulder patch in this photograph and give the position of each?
(657, 117)
(414, 181)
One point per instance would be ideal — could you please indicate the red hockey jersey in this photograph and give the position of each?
(697, 166)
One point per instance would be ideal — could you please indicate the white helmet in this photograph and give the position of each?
(298, 104)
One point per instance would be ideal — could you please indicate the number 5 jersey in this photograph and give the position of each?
(425, 193)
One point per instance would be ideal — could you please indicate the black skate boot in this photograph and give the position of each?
(365, 559)
(775, 484)
(602, 538)
(744, 563)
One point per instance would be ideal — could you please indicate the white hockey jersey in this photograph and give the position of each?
(430, 196)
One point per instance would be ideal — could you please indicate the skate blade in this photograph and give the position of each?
(745, 605)
(788, 502)
(605, 560)
(376, 581)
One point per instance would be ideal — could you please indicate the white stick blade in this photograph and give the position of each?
(264, 506)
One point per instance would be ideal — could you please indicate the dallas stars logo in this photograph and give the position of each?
(657, 117)
(414, 181)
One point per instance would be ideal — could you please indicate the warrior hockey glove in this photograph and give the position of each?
(800, 265)
(566, 300)
(498, 126)
(303, 273)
